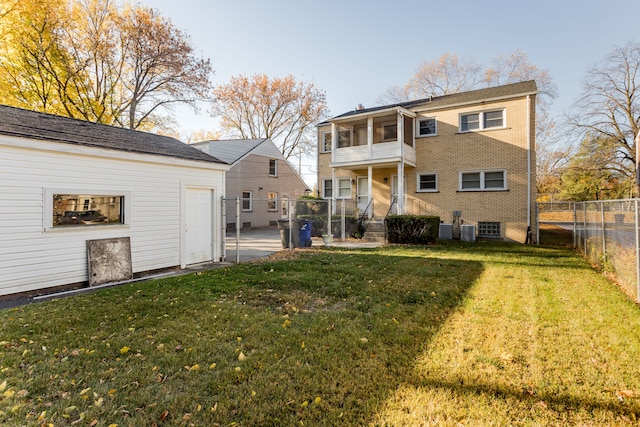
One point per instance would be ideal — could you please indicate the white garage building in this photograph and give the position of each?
(65, 182)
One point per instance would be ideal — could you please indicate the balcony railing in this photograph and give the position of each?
(385, 152)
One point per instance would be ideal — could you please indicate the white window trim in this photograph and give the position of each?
(418, 190)
(322, 181)
(48, 194)
(250, 199)
(323, 136)
(481, 120)
(419, 119)
(482, 180)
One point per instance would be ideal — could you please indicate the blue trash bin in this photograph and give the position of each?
(305, 234)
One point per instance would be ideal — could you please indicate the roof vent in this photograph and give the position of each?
(360, 107)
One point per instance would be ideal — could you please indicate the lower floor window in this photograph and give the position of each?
(427, 182)
(483, 180)
(247, 201)
(272, 201)
(87, 209)
(489, 230)
(327, 188)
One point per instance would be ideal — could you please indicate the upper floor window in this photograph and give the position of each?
(483, 180)
(390, 132)
(427, 126)
(482, 120)
(326, 142)
(344, 138)
(87, 209)
(247, 202)
(427, 182)
(273, 167)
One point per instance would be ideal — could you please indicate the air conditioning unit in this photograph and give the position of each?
(468, 232)
(445, 232)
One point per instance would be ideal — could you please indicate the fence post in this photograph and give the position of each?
(584, 230)
(238, 225)
(343, 221)
(223, 228)
(575, 226)
(604, 240)
(637, 253)
(290, 224)
(537, 223)
(329, 218)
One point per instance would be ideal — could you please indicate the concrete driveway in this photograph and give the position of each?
(253, 244)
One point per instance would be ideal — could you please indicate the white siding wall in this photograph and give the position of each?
(32, 258)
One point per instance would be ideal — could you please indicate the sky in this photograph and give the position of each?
(354, 50)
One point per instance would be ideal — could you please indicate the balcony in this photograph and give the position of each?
(378, 138)
(384, 153)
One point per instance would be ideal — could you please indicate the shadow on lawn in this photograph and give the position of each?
(325, 339)
(363, 321)
(527, 399)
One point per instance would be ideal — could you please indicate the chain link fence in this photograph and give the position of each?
(606, 232)
(255, 227)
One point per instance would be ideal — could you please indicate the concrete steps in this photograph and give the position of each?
(376, 232)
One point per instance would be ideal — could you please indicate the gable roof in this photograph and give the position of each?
(47, 127)
(234, 150)
(497, 92)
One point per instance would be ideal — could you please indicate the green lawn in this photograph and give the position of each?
(452, 334)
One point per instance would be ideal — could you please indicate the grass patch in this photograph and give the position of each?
(472, 334)
(555, 236)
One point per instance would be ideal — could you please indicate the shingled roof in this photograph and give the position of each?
(46, 127)
(505, 91)
(229, 150)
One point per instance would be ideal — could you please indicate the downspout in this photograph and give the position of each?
(529, 166)
(400, 134)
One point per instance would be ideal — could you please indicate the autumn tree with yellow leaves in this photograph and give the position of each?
(282, 109)
(97, 60)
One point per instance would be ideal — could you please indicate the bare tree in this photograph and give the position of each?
(161, 68)
(608, 108)
(281, 109)
(445, 75)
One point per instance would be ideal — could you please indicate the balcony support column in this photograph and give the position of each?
(334, 141)
(370, 190)
(370, 137)
(401, 196)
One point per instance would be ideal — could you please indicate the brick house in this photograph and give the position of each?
(467, 157)
(260, 176)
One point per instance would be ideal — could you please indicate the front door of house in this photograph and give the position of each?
(362, 192)
(199, 233)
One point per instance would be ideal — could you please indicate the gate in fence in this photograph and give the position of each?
(256, 226)
(606, 232)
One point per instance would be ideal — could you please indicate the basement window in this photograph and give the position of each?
(489, 230)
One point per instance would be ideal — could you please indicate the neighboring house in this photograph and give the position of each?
(470, 154)
(64, 182)
(260, 177)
